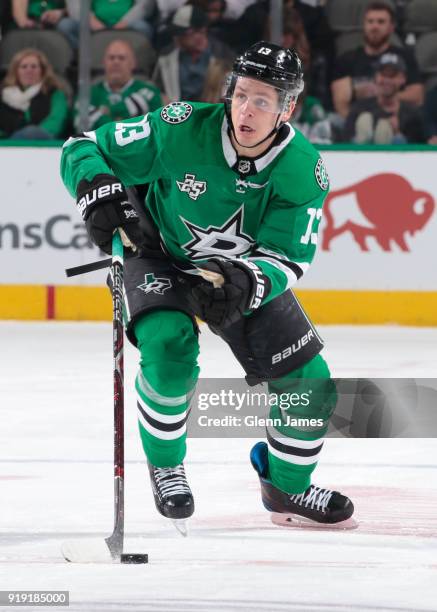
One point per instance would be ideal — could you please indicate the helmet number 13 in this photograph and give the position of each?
(314, 213)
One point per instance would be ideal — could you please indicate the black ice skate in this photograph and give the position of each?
(316, 507)
(173, 497)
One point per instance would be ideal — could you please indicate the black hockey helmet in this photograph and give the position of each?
(271, 64)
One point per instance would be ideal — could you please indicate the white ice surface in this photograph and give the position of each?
(56, 484)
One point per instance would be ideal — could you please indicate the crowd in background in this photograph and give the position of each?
(365, 82)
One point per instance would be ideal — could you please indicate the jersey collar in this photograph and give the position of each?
(255, 164)
(109, 90)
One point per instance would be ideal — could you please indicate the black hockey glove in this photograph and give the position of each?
(243, 289)
(104, 206)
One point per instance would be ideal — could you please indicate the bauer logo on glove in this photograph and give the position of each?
(105, 207)
(97, 195)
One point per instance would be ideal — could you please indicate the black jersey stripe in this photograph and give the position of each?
(159, 424)
(293, 450)
(294, 267)
(139, 102)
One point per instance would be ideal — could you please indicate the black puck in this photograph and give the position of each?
(134, 558)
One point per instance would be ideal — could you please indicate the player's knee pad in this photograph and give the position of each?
(169, 348)
(276, 339)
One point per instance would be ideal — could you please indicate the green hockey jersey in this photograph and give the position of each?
(136, 98)
(110, 12)
(207, 201)
(36, 8)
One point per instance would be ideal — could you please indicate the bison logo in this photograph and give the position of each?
(387, 208)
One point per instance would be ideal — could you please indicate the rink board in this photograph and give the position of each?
(373, 265)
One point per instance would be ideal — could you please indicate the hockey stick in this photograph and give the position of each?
(112, 547)
(90, 267)
(213, 277)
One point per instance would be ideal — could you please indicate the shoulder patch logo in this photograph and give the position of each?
(321, 175)
(176, 112)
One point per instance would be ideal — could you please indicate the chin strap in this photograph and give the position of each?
(273, 131)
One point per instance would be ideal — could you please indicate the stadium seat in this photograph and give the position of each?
(5, 16)
(426, 54)
(431, 83)
(50, 42)
(421, 16)
(347, 15)
(144, 52)
(351, 40)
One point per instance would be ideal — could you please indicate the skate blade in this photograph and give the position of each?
(181, 526)
(294, 520)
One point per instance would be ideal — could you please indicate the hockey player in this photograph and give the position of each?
(236, 190)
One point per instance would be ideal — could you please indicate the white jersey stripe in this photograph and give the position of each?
(156, 397)
(308, 444)
(303, 265)
(293, 458)
(291, 276)
(158, 433)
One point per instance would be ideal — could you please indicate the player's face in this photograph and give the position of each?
(254, 111)
(29, 71)
(378, 27)
(119, 63)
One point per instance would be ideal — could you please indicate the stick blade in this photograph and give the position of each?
(87, 551)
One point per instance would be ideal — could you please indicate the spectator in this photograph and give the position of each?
(247, 22)
(110, 14)
(386, 118)
(294, 37)
(321, 42)
(194, 68)
(38, 13)
(166, 8)
(236, 23)
(118, 95)
(33, 104)
(310, 118)
(354, 70)
(431, 116)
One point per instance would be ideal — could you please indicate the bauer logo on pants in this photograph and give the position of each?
(155, 285)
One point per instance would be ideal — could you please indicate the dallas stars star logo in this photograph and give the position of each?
(154, 285)
(225, 241)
